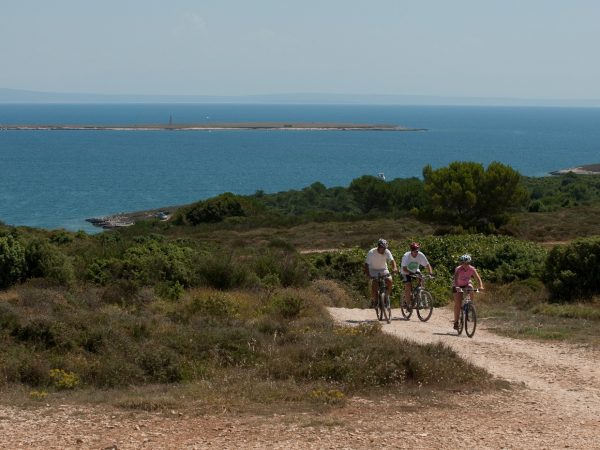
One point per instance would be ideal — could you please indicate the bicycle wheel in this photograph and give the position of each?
(377, 308)
(388, 306)
(424, 305)
(461, 321)
(383, 308)
(470, 320)
(406, 309)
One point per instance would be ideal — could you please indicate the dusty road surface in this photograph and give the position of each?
(555, 403)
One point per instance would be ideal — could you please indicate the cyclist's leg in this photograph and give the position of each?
(388, 285)
(407, 289)
(373, 291)
(457, 304)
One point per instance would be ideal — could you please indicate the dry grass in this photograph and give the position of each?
(562, 225)
(521, 311)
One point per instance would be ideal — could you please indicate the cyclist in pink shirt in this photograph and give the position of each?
(462, 279)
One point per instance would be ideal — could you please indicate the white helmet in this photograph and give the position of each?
(464, 258)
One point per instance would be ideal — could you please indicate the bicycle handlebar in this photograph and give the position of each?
(458, 289)
(420, 275)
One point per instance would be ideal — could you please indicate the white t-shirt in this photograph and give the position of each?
(413, 263)
(377, 262)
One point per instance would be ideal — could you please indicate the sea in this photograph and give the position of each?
(56, 179)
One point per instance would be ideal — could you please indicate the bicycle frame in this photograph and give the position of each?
(382, 305)
(468, 315)
(420, 286)
(421, 300)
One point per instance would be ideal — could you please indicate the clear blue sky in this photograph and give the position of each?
(544, 49)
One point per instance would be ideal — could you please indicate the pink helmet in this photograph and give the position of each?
(414, 246)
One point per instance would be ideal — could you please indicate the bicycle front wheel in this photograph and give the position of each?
(378, 311)
(470, 320)
(424, 305)
(384, 312)
(461, 321)
(406, 309)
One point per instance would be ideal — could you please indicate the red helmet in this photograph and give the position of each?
(414, 246)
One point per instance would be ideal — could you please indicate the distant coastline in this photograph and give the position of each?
(312, 126)
(589, 169)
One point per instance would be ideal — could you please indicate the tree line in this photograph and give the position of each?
(465, 196)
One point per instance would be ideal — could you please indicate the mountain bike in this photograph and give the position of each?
(468, 315)
(383, 309)
(420, 299)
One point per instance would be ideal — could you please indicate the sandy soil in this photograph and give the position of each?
(555, 403)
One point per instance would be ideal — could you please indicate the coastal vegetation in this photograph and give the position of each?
(234, 287)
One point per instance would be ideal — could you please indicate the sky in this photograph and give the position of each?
(543, 49)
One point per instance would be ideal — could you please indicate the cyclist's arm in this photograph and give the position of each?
(394, 266)
(429, 269)
(479, 282)
(366, 270)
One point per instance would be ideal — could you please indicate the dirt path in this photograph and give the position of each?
(559, 405)
(556, 404)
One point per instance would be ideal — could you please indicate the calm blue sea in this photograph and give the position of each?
(56, 179)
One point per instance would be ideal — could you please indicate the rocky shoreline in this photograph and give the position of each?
(589, 169)
(128, 219)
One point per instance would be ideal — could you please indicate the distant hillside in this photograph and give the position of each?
(25, 96)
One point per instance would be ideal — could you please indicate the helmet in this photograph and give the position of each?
(464, 258)
(414, 246)
(382, 243)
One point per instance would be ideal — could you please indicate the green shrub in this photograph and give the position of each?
(573, 271)
(220, 272)
(214, 305)
(217, 209)
(497, 258)
(22, 364)
(280, 267)
(46, 260)
(102, 271)
(160, 365)
(39, 332)
(169, 291)
(62, 379)
(152, 262)
(12, 261)
(287, 304)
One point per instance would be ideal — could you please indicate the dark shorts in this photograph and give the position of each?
(462, 287)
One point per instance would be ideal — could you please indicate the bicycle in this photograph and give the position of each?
(468, 315)
(383, 308)
(420, 299)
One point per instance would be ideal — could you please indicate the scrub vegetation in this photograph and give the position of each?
(234, 288)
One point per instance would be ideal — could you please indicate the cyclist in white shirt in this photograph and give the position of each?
(412, 261)
(376, 263)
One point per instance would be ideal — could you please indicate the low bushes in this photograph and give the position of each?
(499, 259)
(572, 271)
(281, 334)
(12, 261)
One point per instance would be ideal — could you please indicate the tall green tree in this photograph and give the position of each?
(371, 193)
(464, 193)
